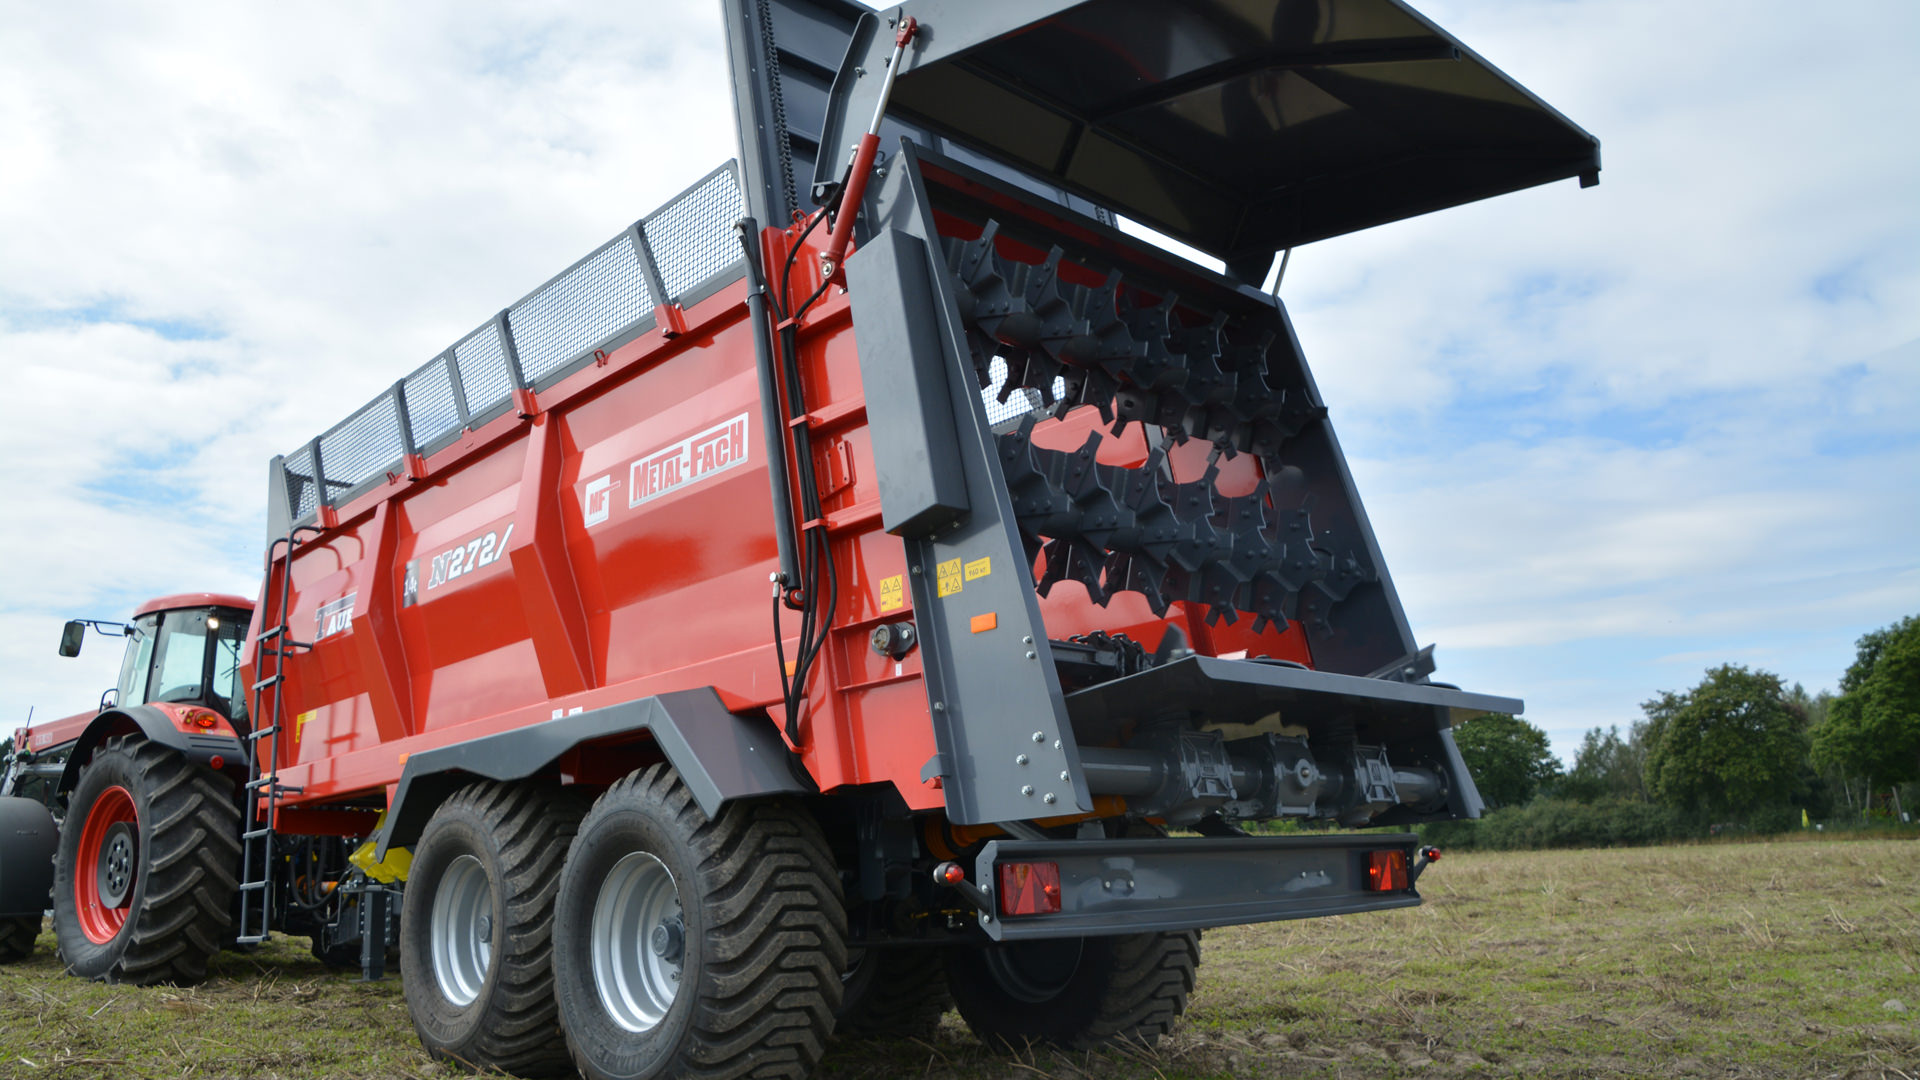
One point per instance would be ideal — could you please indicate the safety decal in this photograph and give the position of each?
(696, 457)
(980, 567)
(892, 593)
(334, 617)
(948, 577)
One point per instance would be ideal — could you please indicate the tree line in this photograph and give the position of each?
(1741, 749)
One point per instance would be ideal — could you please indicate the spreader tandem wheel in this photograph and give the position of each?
(697, 947)
(894, 993)
(477, 940)
(1075, 993)
(144, 878)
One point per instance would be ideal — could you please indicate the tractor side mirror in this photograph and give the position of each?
(71, 637)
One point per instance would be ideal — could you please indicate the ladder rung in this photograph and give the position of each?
(255, 834)
(269, 682)
(252, 886)
(260, 733)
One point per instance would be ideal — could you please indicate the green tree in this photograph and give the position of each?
(1608, 767)
(1872, 730)
(1730, 745)
(1508, 757)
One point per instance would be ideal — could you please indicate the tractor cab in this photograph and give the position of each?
(183, 649)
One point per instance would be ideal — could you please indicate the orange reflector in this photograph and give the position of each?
(1386, 871)
(1029, 888)
(204, 721)
(984, 623)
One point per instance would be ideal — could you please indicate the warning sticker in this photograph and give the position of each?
(979, 567)
(949, 577)
(892, 595)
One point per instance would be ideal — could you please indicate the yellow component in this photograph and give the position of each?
(385, 871)
(980, 567)
(949, 577)
(300, 722)
(893, 593)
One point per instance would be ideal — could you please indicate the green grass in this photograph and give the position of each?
(1721, 960)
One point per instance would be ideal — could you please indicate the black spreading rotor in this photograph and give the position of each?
(1140, 358)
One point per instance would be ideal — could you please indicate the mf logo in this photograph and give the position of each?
(598, 499)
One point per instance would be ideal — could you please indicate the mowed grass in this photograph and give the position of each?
(1726, 960)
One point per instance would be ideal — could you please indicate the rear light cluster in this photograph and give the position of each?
(1029, 888)
(1387, 871)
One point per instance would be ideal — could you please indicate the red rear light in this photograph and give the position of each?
(1029, 888)
(1386, 871)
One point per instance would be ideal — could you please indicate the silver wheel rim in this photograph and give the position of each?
(461, 930)
(639, 942)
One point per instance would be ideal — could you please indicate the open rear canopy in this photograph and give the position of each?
(1240, 127)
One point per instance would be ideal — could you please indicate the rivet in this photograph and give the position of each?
(1026, 789)
(1039, 737)
(1020, 760)
(939, 706)
(1047, 798)
(1029, 654)
(1064, 776)
(1028, 640)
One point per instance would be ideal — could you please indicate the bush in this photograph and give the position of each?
(1561, 823)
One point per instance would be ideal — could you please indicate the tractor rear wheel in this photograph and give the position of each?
(476, 931)
(894, 993)
(17, 934)
(1075, 993)
(690, 946)
(144, 876)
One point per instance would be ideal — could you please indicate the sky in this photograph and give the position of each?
(1608, 438)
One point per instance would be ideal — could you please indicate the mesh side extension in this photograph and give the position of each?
(301, 495)
(691, 243)
(483, 370)
(364, 447)
(692, 236)
(604, 293)
(430, 404)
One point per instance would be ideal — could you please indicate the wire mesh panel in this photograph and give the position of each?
(483, 370)
(692, 237)
(301, 495)
(366, 446)
(605, 293)
(430, 405)
(1022, 401)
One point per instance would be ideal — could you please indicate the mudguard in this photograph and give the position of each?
(182, 727)
(720, 755)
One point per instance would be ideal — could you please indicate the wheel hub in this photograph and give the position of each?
(638, 942)
(116, 865)
(460, 930)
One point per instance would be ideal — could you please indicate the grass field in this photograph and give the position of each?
(1786, 959)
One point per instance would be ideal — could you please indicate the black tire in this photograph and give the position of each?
(518, 834)
(17, 934)
(1075, 993)
(186, 852)
(758, 946)
(895, 993)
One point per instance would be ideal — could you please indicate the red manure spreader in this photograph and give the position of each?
(877, 581)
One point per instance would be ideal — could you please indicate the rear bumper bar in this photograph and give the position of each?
(1140, 886)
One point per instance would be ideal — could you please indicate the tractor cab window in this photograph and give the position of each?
(133, 669)
(228, 637)
(180, 658)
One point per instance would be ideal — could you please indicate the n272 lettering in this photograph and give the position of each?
(468, 557)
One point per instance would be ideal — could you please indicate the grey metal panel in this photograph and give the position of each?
(1238, 127)
(999, 721)
(719, 754)
(1245, 690)
(922, 488)
(1141, 886)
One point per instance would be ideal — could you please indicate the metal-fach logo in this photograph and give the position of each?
(695, 457)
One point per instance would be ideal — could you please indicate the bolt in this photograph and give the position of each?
(1028, 640)
(1056, 744)
(1039, 737)
(1020, 760)
(939, 706)
(916, 571)
(1108, 884)
(1029, 654)
(1047, 798)
(1027, 790)
(1064, 776)
(484, 928)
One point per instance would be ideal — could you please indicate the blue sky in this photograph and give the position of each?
(1608, 437)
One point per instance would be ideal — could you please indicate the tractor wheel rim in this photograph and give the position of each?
(107, 865)
(639, 942)
(460, 930)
